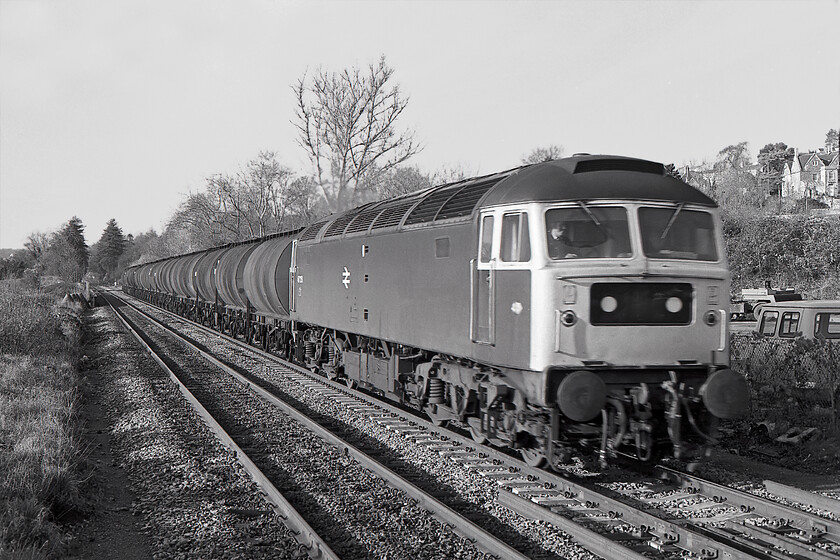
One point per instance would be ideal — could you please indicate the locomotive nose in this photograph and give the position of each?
(726, 394)
(581, 395)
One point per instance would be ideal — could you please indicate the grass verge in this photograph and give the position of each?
(40, 339)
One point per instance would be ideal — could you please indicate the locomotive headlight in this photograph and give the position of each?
(609, 304)
(673, 304)
(568, 318)
(710, 318)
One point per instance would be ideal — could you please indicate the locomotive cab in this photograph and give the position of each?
(620, 304)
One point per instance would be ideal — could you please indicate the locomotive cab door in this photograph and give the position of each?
(483, 286)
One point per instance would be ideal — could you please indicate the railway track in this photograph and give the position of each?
(606, 522)
(198, 376)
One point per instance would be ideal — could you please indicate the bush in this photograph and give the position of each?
(790, 251)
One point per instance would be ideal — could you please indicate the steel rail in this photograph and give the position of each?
(813, 524)
(805, 497)
(454, 521)
(304, 534)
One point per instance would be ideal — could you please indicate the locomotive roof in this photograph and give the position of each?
(581, 177)
(594, 177)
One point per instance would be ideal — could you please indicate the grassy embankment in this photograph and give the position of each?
(39, 442)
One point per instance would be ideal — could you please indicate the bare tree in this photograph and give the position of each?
(37, 243)
(546, 153)
(347, 124)
(396, 181)
(266, 186)
(304, 205)
(450, 173)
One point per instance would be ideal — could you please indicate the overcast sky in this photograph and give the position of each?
(118, 108)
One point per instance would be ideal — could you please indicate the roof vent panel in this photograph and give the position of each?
(640, 166)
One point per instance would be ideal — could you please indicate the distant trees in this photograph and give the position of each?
(262, 198)
(546, 153)
(736, 186)
(831, 140)
(771, 161)
(37, 244)
(347, 123)
(394, 182)
(672, 170)
(138, 249)
(14, 265)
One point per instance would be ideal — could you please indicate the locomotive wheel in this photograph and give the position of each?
(438, 419)
(477, 435)
(533, 457)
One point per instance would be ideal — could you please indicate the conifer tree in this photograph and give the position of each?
(109, 248)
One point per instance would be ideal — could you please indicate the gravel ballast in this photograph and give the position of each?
(192, 497)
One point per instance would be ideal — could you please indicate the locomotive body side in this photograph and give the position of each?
(393, 287)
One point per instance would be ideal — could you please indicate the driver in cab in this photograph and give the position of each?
(559, 243)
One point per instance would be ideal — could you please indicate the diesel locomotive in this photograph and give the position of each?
(578, 302)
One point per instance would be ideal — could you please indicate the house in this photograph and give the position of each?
(812, 174)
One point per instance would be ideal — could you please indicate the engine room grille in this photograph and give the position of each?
(362, 221)
(428, 209)
(311, 232)
(463, 202)
(660, 303)
(393, 215)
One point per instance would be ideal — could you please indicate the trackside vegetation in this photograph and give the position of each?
(795, 250)
(40, 454)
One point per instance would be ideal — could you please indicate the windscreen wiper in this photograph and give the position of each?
(671, 221)
(592, 217)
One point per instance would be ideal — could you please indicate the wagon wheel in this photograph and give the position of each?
(533, 457)
(351, 383)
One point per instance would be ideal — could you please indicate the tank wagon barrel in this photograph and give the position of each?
(582, 300)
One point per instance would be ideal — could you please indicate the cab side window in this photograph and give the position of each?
(768, 323)
(516, 245)
(789, 326)
(486, 249)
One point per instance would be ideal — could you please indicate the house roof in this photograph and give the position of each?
(805, 158)
(828, 157)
